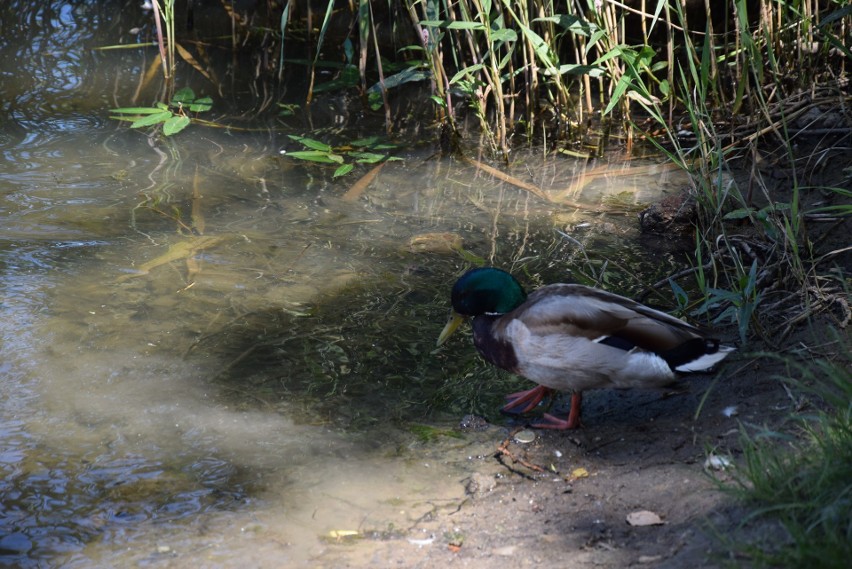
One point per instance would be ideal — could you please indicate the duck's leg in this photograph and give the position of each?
(526, 400)
(573, 422)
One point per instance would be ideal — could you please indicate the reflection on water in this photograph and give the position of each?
(229, 396)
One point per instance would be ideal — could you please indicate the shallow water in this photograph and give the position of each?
(231, 396)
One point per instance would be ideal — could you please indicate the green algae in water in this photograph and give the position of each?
(428, 433)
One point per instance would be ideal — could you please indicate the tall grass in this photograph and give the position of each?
(528, 67)
(164, 21)
(711, 88)
(759, 91)
(522, 65)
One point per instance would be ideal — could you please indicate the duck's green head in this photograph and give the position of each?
(487, 291)
(482, 291)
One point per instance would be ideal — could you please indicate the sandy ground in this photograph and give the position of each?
(637, 451)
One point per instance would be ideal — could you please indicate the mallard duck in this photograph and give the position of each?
(571, 337)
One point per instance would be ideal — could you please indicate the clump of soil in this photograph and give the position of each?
(675, 213)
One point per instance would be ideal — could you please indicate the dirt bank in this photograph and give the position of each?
(638, 451)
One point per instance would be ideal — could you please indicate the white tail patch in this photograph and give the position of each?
(706, 361)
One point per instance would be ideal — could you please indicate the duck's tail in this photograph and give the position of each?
(687, 359)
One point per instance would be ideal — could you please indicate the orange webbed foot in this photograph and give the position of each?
(526, 401)
(548, 421)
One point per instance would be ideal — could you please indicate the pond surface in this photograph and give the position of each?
(214, 355)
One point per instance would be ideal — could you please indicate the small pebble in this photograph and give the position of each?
(505, 551)
(473, 423)
(525, 436)
(716, 462)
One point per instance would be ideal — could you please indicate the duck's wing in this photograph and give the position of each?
(608, 318)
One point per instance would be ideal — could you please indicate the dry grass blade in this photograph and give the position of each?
(149, 75)
(500, 175)
(197, 214)
(186, 56)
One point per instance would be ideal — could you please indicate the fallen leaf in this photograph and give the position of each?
(341, 533)
(358, 187)
(644, 518)
(576, 474)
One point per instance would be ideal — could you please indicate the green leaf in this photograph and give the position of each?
(471, 258)
(541, 48)
(617, 51)
(741, 213)
(405, 76)
(311, 143)
(646, 54)
(617, 93)
(504, 35)
(452, 25)
(288, 109)
(324, 28)
(348, 50)
(175, 124)
(316, 156)
(161, 116)
(370, 142)
(578, 69)
(471, 70)
(680, 295)
(375, 100)
(573, 24)
(349, 77)
(717, 294)
(367, 157)
(374, 142)
(137, 110)
(835, 209)
(183, 96)
(343, 170)
(201, 105)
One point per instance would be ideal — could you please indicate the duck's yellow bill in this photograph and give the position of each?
(454, 322)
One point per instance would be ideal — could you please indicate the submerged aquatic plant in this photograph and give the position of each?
(172, 116)
(359, 151)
